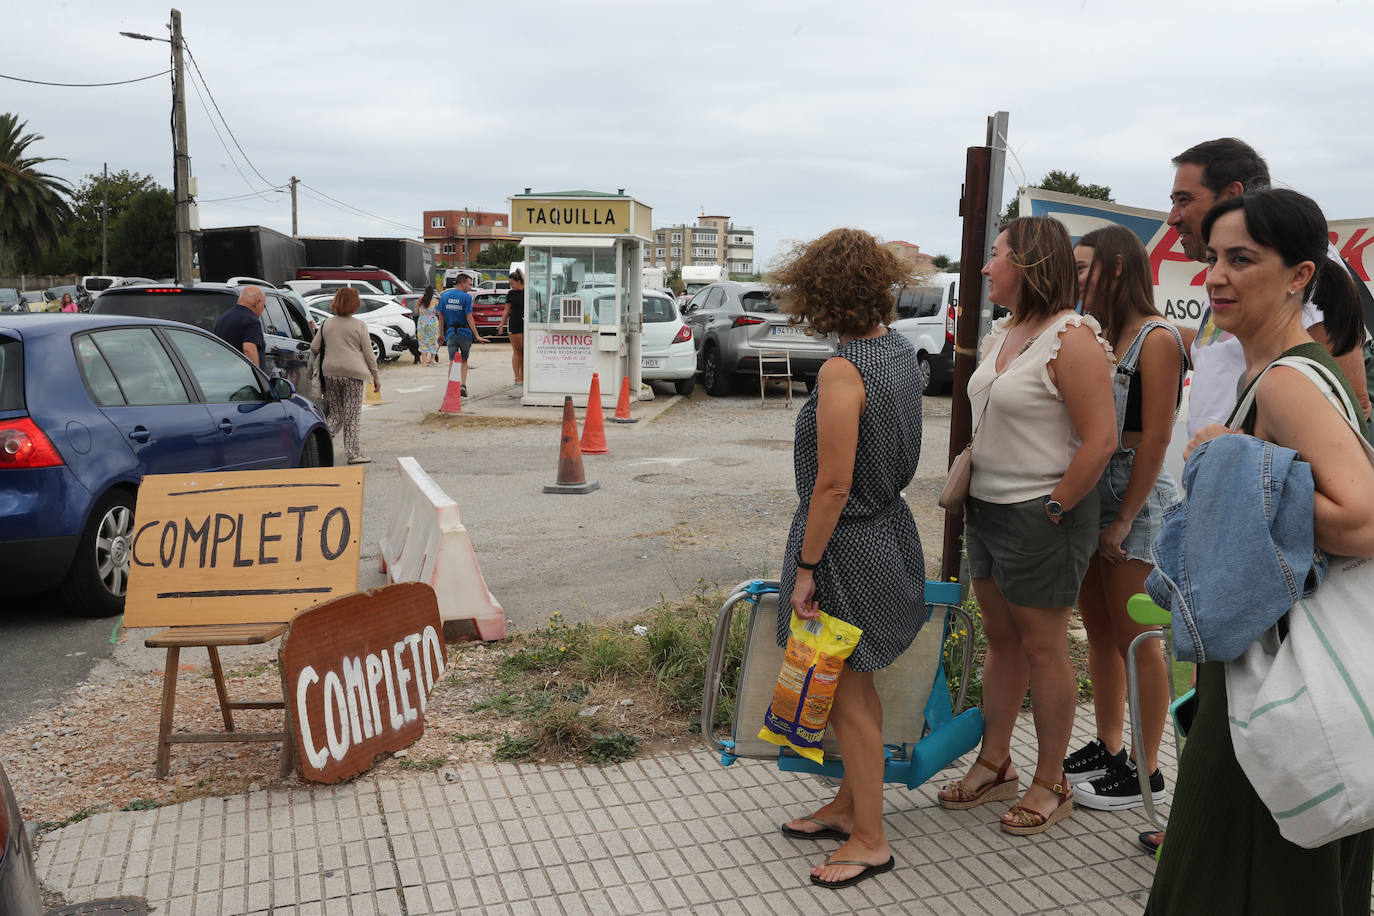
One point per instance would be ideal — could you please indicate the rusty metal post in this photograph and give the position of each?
(973, 208)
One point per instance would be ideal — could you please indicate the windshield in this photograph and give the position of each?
(657, 309)
(201, 309)
(759, 300)
(8, 295)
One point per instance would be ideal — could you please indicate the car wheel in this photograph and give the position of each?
(310, 452)
(927, 372)
(715, 380)
(99, 575)
(685, 386)
(377, 352)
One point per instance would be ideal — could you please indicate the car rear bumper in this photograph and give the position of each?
(942, 365)
(668, 365)
(42, 513)
(36, 564)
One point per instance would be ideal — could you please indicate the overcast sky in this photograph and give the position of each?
(791, 117)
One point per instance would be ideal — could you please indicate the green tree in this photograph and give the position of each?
(143, 238)
(33, 204)
(81, 242)
(675, 281)
(940, 262)
(1064, 183)
(499, 254)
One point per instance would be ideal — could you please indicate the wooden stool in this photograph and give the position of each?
(211, 637)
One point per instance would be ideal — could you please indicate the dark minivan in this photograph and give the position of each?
(284, 326)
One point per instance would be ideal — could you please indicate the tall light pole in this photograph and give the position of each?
(181, 159)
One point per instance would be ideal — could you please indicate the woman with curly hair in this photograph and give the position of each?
(853, 549)
(1044, 429)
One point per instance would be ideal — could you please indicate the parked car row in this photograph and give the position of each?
(389, 324)
(89, 404)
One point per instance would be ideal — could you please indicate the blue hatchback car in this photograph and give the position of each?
(91, 403)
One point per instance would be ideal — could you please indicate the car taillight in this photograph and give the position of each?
(683, 335)
(742, 320)
(949, 325)
(23, 445)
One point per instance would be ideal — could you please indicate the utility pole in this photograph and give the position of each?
(467, 254)
(105, 220)
(181, 159)
(294, 233)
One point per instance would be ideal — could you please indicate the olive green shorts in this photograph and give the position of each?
(1033, 561)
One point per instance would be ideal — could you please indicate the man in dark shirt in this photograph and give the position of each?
(241, 326)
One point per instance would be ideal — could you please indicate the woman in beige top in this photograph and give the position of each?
(347, 363)
(1045, 427)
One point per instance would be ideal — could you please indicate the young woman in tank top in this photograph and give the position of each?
(1133, 493)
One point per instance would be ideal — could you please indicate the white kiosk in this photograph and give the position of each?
(583, 288)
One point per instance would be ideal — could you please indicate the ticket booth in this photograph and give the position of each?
(583, 287)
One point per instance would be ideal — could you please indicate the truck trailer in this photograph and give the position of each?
(327, 250)
(249, 251)
(409, 259)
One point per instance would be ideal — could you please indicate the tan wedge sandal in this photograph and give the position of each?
(1028, 821)
(957, 797)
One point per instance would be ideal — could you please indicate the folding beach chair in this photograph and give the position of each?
(922, 731)
(1146, 613)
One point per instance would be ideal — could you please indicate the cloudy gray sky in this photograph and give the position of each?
(792, 117)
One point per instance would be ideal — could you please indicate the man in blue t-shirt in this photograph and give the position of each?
(455, 308)
(241, 326)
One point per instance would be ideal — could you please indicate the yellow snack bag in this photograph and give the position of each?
(815, 653)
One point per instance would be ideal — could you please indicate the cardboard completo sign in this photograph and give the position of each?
(242, 546)
(357, 673)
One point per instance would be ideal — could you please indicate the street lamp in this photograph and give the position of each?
(181, 159)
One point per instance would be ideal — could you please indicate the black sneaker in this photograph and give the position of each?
(1119, 790)
(1091, 761)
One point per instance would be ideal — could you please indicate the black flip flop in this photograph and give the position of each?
(868, 872)
(1148, 842)
(827, 832)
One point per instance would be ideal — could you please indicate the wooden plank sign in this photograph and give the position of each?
(242, 546)
(357, 672)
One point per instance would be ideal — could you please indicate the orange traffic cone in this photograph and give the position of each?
(571, 477)
(594, 427)
(622, 406)
(453, 394)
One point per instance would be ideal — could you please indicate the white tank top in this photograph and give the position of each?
(1024, 439)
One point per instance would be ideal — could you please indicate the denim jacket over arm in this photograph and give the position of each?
(1238, 551)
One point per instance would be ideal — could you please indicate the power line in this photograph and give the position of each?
(350, 207)
(260, 195)
(151, 76)
(220, 138)
(196, 65)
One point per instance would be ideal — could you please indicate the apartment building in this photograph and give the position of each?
(458, 236)
(911, 254)
(712, 241)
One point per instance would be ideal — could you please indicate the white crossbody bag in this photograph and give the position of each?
(1301, 708)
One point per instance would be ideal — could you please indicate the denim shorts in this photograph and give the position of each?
(1111, 487)
(1033, 561)
(459, 342)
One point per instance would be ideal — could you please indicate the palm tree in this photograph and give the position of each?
(33, 205)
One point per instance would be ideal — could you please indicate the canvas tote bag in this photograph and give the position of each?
(1301, 708)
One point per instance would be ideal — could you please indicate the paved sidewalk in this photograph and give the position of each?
(658, 835)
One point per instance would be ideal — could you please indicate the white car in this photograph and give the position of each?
(667, 352)
(387, 342)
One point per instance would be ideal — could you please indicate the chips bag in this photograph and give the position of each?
(815, 653)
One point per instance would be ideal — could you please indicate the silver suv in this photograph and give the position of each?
(731, 322)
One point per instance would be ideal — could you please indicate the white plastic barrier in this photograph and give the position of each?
(426, 542)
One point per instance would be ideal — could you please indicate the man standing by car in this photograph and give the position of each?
(241, 326)
(455, 307)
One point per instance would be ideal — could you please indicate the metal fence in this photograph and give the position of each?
(36, 281)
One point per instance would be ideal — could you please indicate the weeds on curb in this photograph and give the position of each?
(423, 763)
(142, 804)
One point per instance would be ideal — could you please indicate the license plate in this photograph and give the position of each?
(651, 363)
(785, 330)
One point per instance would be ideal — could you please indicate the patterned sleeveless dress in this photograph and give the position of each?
(872, 573)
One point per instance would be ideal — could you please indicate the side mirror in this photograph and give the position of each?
(281, 389)
(302, 345)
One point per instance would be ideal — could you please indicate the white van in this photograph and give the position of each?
(95, 285)
(925, 316)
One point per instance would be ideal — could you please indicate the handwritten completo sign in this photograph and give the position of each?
(242, 546)
(357, 672)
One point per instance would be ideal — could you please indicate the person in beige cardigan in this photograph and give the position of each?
(347, 364)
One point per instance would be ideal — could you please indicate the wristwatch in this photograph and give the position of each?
(1054, 508)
